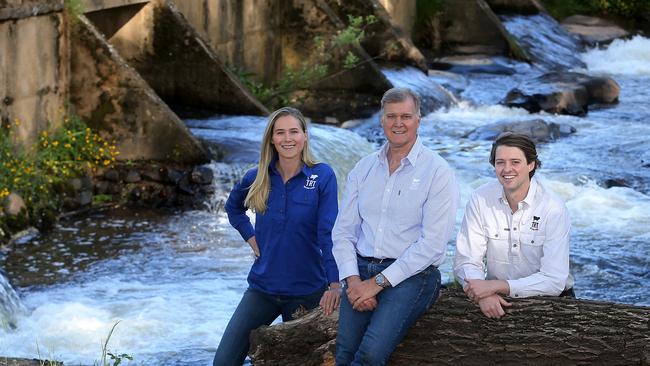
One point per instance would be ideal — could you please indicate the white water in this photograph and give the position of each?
(622, 57)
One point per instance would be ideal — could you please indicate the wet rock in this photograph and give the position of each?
(80, 183)
(616, 182)
(102, 187)
(132, 176)
(9, 361)
(136, 194)
(174, 175)
(593, 31)
(538, 129)
(14, 204)
(185, 186)
(201, 175)
(563, 93)
(152, 175)
(112, 175)
(472, 64)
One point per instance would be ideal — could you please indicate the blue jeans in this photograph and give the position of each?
(369, 338)
(254, 310)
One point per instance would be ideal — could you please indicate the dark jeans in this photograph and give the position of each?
(254, 310)
(369, 338)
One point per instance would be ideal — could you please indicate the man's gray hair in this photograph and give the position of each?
(397, 95)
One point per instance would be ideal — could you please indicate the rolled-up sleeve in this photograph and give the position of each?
(235, 208)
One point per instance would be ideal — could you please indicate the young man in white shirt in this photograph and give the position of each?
(519, 227)
(397, 215)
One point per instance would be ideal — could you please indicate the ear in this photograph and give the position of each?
(531, 166)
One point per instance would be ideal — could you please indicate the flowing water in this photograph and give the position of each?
(172, 279)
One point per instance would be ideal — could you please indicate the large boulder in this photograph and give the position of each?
(538, 130)
(593, 31)
(13, 205)
(563, 93)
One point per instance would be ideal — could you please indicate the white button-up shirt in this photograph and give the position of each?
(529, 249)
(408, 215)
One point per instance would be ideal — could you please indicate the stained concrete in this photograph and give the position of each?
(178, 64)
(118, 103)
(33, 74)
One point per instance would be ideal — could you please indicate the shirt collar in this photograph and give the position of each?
(530, 196)
(273, 169)
(411, 157)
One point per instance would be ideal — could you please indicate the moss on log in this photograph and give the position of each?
(535, 331)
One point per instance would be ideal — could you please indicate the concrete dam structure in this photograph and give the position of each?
(121, 64)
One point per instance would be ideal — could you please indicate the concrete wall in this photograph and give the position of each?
(402, 14)
(118, 103)
(34, 68)
(175, 61)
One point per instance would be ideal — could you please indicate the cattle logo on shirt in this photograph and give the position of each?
(311, 182)
(535, 224)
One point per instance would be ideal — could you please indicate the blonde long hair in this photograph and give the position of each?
(258, 192)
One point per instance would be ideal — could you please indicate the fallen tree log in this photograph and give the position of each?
(534, 331)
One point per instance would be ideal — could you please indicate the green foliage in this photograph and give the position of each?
(35, 173)
(318, 66)
(622, 8)
(74, 8)
(109, 358)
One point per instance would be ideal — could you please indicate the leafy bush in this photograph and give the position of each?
(68, 152)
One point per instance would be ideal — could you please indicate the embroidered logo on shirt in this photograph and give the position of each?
(311, 182)
(535, 224)
(415, 183)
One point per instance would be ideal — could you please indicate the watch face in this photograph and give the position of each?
(380, 280)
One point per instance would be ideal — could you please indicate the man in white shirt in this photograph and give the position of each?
(396, 217)
(519, 227)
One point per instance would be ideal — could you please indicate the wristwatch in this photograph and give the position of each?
(381, 281)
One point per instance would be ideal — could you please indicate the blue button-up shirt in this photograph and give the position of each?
(409, 215)
(293, 234)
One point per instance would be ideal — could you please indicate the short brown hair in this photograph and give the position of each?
(521, 141)
(397, 95)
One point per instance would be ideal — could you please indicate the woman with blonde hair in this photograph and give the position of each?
(295, 203)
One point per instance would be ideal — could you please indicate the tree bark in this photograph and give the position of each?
(534, 331)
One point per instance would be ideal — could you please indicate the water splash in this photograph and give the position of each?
(10, 305)
(621, 57)
(238, 141)
(432, 95)
(545, 41)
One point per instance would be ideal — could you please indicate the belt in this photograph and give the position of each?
(375, 260)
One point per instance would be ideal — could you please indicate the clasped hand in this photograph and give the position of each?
(362, 294)
(485, 294)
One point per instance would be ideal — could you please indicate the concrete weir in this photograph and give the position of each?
(118, 103)
(33, 67)
(268, 38)
(175, 61)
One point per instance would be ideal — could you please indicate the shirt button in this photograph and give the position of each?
(380, 229)
(514, 228)
(514, 245)
(516, 295)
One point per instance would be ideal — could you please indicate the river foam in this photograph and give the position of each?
(621, 57)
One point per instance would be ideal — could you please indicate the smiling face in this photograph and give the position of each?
(512, 170)
(400, 123)
(288, 137)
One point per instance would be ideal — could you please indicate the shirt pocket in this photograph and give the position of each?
(498, 246)
(408, 213)
(532, 247)
(306, 197)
